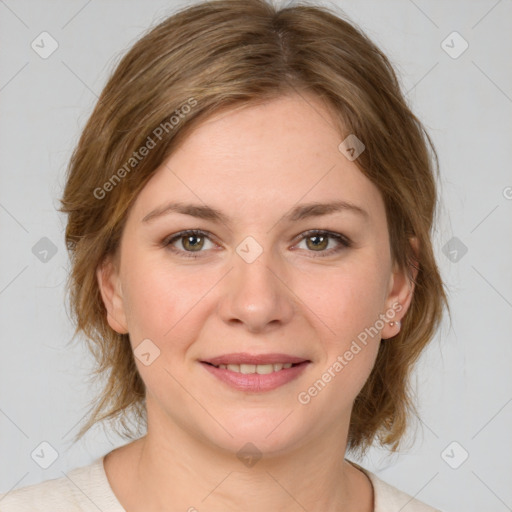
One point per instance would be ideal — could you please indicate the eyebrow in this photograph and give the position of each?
(300, 212)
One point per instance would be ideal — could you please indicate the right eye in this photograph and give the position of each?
(191, 240)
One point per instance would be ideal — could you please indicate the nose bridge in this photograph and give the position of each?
(256, 294)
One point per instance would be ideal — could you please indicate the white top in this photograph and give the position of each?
(87, 489)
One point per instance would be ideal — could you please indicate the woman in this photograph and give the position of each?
(249, 215)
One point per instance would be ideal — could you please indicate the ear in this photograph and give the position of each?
(401, 290)
(111, 293)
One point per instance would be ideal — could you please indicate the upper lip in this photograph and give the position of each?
(244, 358)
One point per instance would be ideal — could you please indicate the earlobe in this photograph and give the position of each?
(111, 293)
(401, 293)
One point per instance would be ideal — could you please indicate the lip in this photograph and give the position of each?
(244, 358)
(254, 382)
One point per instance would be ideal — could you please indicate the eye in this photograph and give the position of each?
(191, 241)
(318, 241)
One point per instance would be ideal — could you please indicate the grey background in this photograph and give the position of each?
(463, 380)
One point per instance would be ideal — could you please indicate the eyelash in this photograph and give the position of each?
(342, 239)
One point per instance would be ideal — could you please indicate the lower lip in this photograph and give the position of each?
(254, 381)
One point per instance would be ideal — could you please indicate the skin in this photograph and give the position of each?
(254, 164)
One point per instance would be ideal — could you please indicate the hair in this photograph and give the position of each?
(219, 55)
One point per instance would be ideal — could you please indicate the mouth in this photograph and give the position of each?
(255, 373)
(260, 369)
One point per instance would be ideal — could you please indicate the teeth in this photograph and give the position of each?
(261, 369)
(247, 368)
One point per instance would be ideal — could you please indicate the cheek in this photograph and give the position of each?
(348, 299)
(162, 302)
(349, 308)
(348, 355)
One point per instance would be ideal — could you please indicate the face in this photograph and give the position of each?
(263, 278)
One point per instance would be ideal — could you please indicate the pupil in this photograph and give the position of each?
(189, 241)
(320, 241)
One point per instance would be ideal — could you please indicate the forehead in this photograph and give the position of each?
(263, 157)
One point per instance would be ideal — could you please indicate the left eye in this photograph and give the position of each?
(319, 241)
(193, 241)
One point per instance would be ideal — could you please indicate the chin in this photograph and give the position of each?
(267, 433)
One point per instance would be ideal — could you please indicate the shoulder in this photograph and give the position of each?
(82, 489)
(390, 499)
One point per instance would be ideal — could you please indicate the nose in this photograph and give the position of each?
(256, 294)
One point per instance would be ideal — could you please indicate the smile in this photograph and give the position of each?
(260, 369)
(256, 377)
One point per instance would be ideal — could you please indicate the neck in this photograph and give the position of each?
(182, 471)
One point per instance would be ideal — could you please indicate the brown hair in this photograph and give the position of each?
(220, 54)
